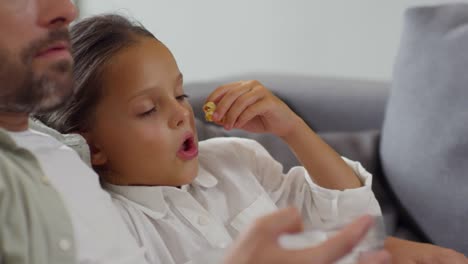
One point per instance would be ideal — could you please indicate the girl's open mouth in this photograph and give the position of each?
(189, 149)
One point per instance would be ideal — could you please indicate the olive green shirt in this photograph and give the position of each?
(35, 225)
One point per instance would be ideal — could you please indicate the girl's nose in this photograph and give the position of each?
(180, 115)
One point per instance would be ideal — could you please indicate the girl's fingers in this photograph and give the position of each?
(240, 104)
(219, 92)
(228, 98)
(251, 112)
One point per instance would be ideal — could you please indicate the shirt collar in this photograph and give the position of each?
(6, 140)
(205, 178)
(150, 199)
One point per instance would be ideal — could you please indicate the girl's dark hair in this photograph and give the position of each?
(94, 41)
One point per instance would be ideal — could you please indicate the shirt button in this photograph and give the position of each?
(203, 221)
(64, 244)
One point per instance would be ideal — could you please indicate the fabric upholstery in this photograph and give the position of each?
(424, 148)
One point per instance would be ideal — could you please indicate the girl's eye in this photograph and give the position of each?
(182, 97)
(148, 113)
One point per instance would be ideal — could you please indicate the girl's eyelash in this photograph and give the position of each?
(153, 110)
(182, 97)
(149, 112)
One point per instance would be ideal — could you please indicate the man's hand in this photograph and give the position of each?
(259, 245)
(409, 252)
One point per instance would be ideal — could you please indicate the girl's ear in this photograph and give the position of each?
(98, 157)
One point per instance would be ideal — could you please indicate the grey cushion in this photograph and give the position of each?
(424, 146)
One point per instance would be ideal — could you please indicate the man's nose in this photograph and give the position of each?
(56, 13)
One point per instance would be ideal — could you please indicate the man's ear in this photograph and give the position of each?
(98, 157)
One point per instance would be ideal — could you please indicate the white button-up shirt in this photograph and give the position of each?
(100, 234)
(237, 182)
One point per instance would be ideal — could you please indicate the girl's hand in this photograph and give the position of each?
(248, 105)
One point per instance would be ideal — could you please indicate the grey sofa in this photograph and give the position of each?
(347, 114)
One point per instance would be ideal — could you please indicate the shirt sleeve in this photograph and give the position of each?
(318, 205)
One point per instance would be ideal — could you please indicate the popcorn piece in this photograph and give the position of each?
(209, 109)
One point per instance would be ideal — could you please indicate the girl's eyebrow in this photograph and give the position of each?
(142, 92)
(178, 80)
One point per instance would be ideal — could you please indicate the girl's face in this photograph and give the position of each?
(143, 131)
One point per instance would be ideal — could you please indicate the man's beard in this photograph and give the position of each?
(24, 91)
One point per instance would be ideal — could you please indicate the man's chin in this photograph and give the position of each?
(56, 86)
(53, 101)
(50, 105)
(41, 97)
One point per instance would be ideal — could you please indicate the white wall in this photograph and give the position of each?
(212, 38)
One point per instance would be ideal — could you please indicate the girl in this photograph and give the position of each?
(177, 196)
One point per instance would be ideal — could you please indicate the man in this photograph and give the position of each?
(52, 209)
(38, 172)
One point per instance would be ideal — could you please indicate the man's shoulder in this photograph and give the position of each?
(74, 141)
(38, 126)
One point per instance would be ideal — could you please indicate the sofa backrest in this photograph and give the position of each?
(326, 104)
